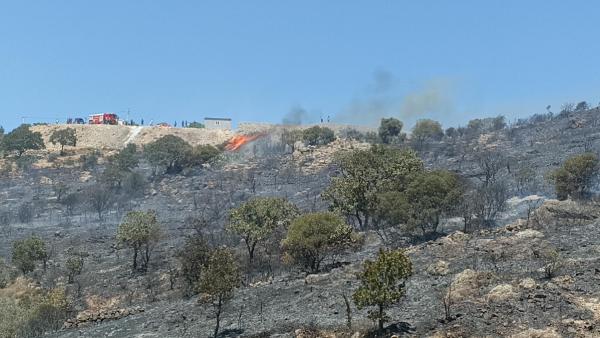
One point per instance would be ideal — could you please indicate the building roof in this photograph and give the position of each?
(217, 119)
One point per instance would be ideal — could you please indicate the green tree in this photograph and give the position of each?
(120, 165)
(74, 266)
(582, 106)
(383, 283)
(429, 196)
(195, 124)
(140, 231)
(574, 179)
(64, 137)
(168, 152)
(27, 252)
(318, 136)
(201, 154)
(256, 219)
(22, 139)
(390, 129)
(425, 130)
(313, 237)
(498, 122)
(193, 259)
(366, 173)
(219, 281)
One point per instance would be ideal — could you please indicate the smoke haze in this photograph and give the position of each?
(383, 99)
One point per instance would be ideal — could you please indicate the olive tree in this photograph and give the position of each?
(27, 252)
(317, 136)
(389, 130)
(193, 258)
(363, 174)
(140, 230)
(313, 237)
(22, 139)
(425, 130)
(74, 266)
(429, 197)
(575, 177)
(64, 137)
(382, 283)
(169, 152)
(219, 281)
(256, 219)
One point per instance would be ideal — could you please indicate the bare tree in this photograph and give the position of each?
(99, 199)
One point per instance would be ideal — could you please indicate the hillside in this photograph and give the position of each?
(532, 271)
(116, 137)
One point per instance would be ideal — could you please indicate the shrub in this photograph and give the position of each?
(134, 184)
(196, 125)
(7, 274)
(313, 237)
(90, 160)
(575, 177)
(33, 313)
(317, 136)
(352, 134)
(382, 283)
(201, 154)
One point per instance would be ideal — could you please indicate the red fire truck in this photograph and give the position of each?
(104, 118)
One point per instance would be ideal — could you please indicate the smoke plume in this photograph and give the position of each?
(295, 116)
(383, 99)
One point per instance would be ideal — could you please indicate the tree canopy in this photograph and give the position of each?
(256, 219)
(575, 177)
(168, 152)
(27, 252)
(22, 139)
(139, 231)
(389, 130)
(363, 174)
(318, 136)
(382, 283)
(313, 237)
(64, 137)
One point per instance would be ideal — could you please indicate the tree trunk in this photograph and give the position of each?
(251, 246)
(135, 254)
(219, 306)
(380, 318)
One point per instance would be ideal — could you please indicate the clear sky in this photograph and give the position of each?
(354, 61)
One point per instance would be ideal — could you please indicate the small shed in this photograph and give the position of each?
(217, 123)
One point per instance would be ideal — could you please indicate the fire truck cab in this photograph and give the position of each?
(104, 118)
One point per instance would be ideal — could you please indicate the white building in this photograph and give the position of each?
(217, 123)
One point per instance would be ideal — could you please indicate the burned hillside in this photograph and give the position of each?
(492, 250)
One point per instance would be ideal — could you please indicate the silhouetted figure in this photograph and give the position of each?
(142, 122)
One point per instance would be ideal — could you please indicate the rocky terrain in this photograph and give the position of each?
(497, 281)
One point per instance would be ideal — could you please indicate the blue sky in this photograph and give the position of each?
(354, 61)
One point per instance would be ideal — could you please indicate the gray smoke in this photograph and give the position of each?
(296, 116)
(382, 99)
